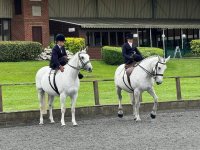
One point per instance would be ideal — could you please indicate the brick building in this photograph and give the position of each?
(102, 22)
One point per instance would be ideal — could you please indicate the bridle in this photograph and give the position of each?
(82, 62)
(154, 73)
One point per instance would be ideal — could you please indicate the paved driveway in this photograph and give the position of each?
(169, 131)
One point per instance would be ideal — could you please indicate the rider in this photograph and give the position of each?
(59, 55)
(130, 52)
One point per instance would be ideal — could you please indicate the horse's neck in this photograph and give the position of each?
(70, 70)
(149, 64)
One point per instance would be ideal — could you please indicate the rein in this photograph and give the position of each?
(154, 74)
(83, 64)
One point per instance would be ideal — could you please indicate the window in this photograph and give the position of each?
(36, 10)
(4, 30)
(113, 38)
(18, 7)
(97, 39)
(90, 39)
(120, 38)
(105, 38)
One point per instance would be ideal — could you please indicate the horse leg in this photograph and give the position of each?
(137, 104)
(51, 99)
(73, 104)
(132, 98)
(120, 110)
(63, 109)
(155, 97)
(41, 97)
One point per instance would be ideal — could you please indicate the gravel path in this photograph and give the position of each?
(169, 131)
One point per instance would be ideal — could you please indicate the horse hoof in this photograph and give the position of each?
(41, 123)
(120, 115)
(138, 120)
(62, 125)
(52, 122)
(134, 118)
(153, 116)
(75, 125)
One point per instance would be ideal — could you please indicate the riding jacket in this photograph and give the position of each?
(57, 57)
(131, 54)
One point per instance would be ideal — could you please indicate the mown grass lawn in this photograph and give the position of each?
(25, 97)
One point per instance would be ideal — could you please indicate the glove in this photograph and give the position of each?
(133, 55)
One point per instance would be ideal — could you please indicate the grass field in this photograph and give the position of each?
(25, 97)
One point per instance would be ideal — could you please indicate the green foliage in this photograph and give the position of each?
(74, 44)
(113, 55)
(150, 51)
(195, 46)
(19, 50)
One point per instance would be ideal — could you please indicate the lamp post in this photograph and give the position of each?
(163, 39)
(183, 37)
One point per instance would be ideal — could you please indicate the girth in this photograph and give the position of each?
(55, 88)
(129, 69)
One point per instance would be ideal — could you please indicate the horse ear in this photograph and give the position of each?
(159, 59)
(85, 49)
(168, 58)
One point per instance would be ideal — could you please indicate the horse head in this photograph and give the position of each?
(159, 69)
(84, 60)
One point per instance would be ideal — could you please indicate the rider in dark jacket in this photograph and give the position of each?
(130, 51)
(59, 55)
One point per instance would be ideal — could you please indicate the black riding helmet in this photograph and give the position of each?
(129, 36)
(60, 37)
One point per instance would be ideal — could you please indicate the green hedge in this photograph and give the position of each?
(19, 50)
(113, 55)
(195, 46)
(72, 44)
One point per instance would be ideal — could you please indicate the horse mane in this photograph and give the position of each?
(152, 57)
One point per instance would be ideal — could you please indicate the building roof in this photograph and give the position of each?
(126, 23)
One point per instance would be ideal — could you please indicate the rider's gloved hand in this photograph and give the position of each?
(133, 56)
(61, 68)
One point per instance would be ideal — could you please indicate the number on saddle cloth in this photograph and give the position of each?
(54, 86)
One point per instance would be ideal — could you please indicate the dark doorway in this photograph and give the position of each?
(37, 34)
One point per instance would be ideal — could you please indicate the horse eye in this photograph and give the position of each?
(159, 68)
(82, 57)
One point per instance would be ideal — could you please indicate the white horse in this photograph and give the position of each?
(141, 79)
(67, 84)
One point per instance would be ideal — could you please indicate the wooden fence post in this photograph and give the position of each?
(178, 88)
(1, 99)
(96, 92)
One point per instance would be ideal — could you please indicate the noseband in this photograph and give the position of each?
(154, 73)
(82, 63)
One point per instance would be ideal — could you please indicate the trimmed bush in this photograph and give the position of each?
(195, 46)
(19, 50)
(113, 55)
(72, 44)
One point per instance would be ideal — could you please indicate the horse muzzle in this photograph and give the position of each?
(158, 83)
(89, 69)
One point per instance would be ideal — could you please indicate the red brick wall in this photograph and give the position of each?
(94, 52)
(21, 25)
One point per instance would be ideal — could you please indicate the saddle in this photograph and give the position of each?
(54, 86)
(129, 69)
